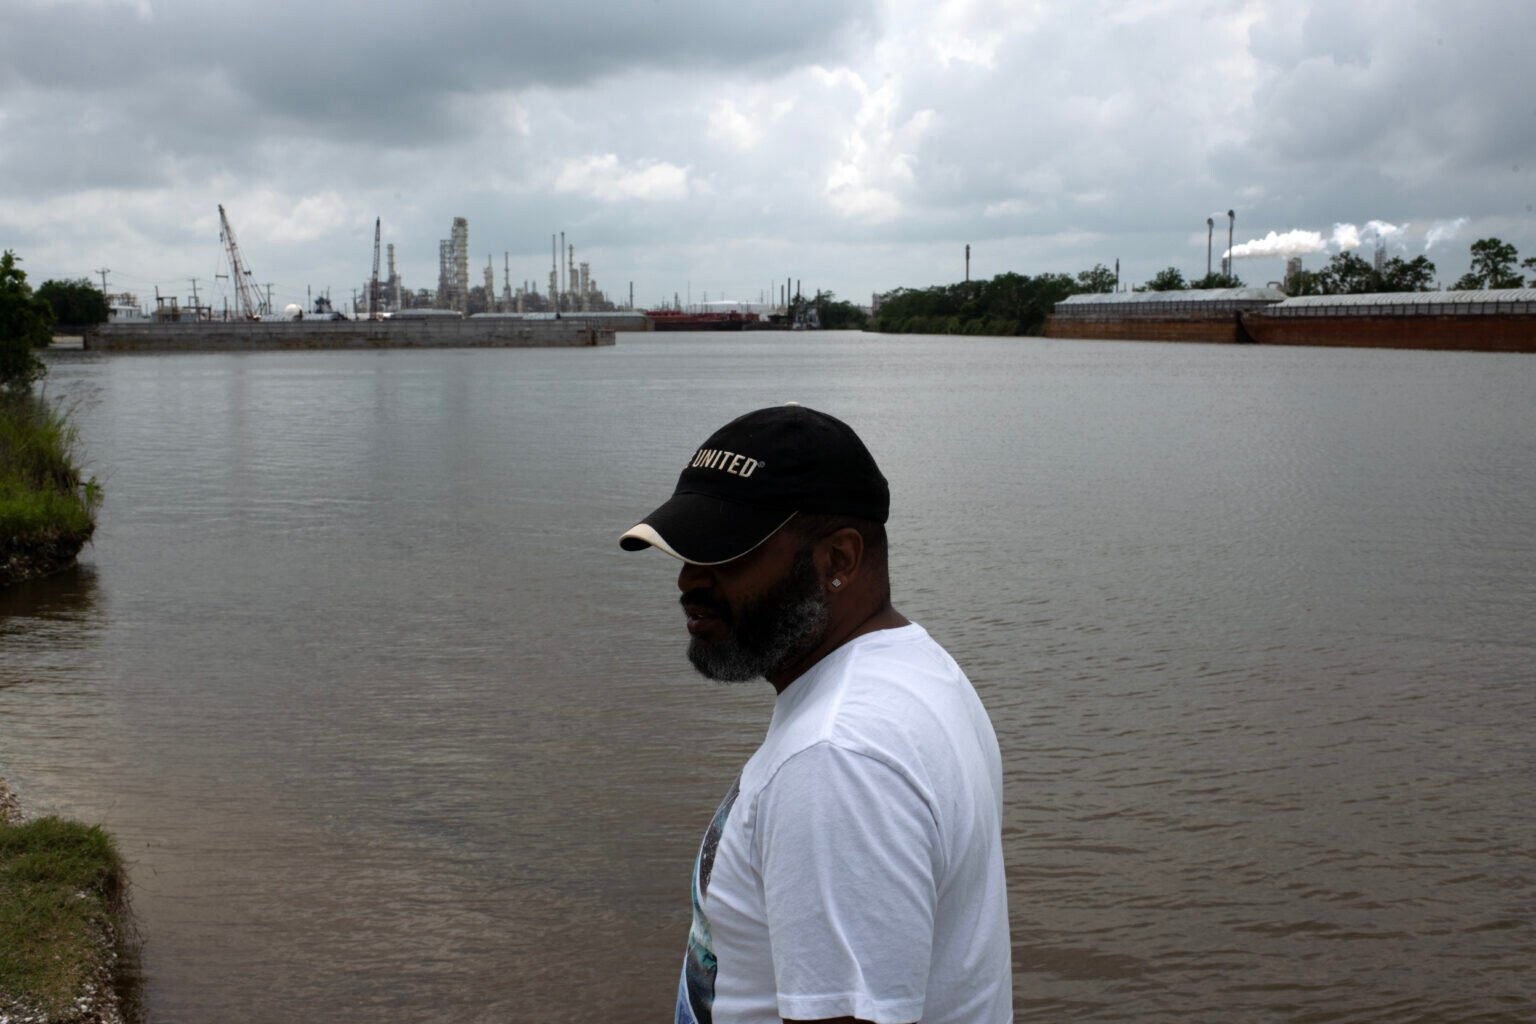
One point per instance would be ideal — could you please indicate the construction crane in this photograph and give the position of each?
(373, 282)
(246, 307)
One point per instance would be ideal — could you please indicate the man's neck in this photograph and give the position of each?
(882, 617)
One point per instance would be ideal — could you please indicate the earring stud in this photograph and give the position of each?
(836, 583)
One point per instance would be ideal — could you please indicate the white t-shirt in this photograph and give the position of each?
(856, 868)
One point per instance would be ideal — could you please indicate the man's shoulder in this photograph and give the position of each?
(897, 673)
(891, 695)
(887, 657)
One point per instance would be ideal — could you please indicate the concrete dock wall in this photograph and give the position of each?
(261, 335)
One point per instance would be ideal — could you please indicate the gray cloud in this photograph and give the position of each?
(330, 64)
(862, 143)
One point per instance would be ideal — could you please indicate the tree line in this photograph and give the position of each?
(1016, 304)
(26, 323)
(1009, 304)
(28, 317)
(1495, 264)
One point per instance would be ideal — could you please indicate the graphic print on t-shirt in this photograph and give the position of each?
(696, 988)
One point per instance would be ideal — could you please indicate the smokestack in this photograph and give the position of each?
(1231, 223)
(392, 297)
(967, 262)
(1210, 232)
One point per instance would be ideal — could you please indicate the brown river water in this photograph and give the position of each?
(390, 729)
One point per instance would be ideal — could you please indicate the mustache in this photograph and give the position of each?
(699, 597)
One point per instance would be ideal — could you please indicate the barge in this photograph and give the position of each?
(676, 320)
(567, 331)
(1469, 321)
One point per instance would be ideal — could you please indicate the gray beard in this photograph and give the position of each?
(767, 635)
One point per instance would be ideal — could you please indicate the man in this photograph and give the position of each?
(855, 869)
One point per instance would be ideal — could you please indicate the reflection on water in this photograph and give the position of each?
(388, 726)
(30, 611)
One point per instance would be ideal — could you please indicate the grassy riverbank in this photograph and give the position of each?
(47, 509)
(62, 915)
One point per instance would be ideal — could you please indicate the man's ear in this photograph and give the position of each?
(843, 552)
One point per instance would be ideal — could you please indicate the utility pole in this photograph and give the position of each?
(195, 303)
(103, 271)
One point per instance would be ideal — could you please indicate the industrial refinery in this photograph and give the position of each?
(571, 287)
(573, 313)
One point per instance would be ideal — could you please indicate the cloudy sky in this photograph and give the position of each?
(713, 149)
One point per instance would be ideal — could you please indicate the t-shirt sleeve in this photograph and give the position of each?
(850, 860)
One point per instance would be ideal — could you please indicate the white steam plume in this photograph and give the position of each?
(1382, 230)
(1346, 236)
(1291, 243)
(1300, 242)
(1442, 231)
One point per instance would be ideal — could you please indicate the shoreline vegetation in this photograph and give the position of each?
(64, 922)
(47, 506)
(63, 888)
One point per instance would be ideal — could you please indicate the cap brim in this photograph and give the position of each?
(703, 530)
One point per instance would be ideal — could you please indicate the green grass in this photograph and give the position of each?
(43, 498)
(61, 899)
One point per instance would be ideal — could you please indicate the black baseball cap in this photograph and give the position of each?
(753, 476)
